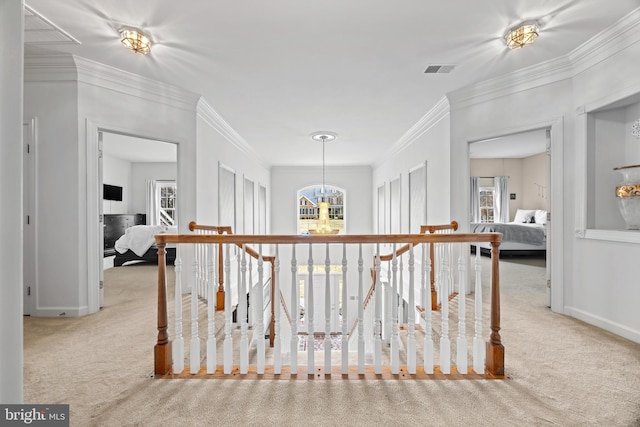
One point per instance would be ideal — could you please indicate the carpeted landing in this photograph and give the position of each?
(562, 372)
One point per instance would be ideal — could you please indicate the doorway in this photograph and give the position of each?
(524, 160)
(135, 157)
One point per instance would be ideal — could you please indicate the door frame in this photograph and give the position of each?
(94, 249)
(30, 227)
(555, 241)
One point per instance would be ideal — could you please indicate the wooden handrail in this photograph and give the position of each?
(239, 239)
(494, 347)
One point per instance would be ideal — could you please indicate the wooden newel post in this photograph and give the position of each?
(162, 349)
(495, 349)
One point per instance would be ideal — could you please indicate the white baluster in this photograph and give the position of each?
(395, 338)
(428, 336)
(388, 300)
(211, 307)
(461, 362)
(479, 348)
(411, 339)
(295, 312)
(228, 339)
(178, 342)
(277, 350)
(259, 333)
(377, 329)
(401, 292)
(423, 281)
(360, 312)
(250, 288)
(241, 312)
(194, 349)
(308, 311)
(445, 343)
(345, 317)
(327, 313)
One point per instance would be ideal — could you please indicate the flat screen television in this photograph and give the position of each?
(111, 192)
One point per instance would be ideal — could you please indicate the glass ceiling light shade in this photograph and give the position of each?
(522, 35)
(324, 223)
(135, 40)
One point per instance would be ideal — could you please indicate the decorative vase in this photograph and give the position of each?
(628, 194)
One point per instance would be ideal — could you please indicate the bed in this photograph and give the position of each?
(526, 235)
(138, 244)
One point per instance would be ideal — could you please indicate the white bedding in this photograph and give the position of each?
(140, 238)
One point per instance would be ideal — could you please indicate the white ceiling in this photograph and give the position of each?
(278, 71)
(514, 146)
(138, 150)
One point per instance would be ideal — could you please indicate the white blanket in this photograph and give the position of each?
(138, 238)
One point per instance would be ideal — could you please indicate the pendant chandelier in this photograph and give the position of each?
(324, 223)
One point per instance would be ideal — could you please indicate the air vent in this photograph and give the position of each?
(39, 30)
(439, 69)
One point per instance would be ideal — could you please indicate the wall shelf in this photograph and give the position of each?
(604, 142)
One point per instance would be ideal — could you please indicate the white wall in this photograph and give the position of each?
(603, 293)
(431, 145)
(140, 173)
(117, 172)
(58, 219)
(593, 286)
(218, 144)
(63, 94)
(11, 46)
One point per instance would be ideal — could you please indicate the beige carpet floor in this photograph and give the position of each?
(562, 372)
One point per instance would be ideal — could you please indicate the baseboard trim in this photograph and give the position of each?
(60, 312)
(607, 325)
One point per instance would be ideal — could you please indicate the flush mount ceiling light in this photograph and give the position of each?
(135, 40)
(522, 35)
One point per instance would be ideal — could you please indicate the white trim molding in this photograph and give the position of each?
(607, 325)
(433, 116)
(521, 80)
(50, 68)
(213, 119)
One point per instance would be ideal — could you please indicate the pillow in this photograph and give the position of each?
(541, 216)
(524, 215)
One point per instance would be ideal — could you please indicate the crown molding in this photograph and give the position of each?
(433, 116)
(213, 119)
(50, 68)
(607, 43)
(541, 74)
(57, 68)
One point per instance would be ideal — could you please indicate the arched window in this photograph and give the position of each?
(309, 199)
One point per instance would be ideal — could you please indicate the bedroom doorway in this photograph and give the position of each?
(128, 166)
(524, 159)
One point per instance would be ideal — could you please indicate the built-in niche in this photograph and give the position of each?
(605, 141)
